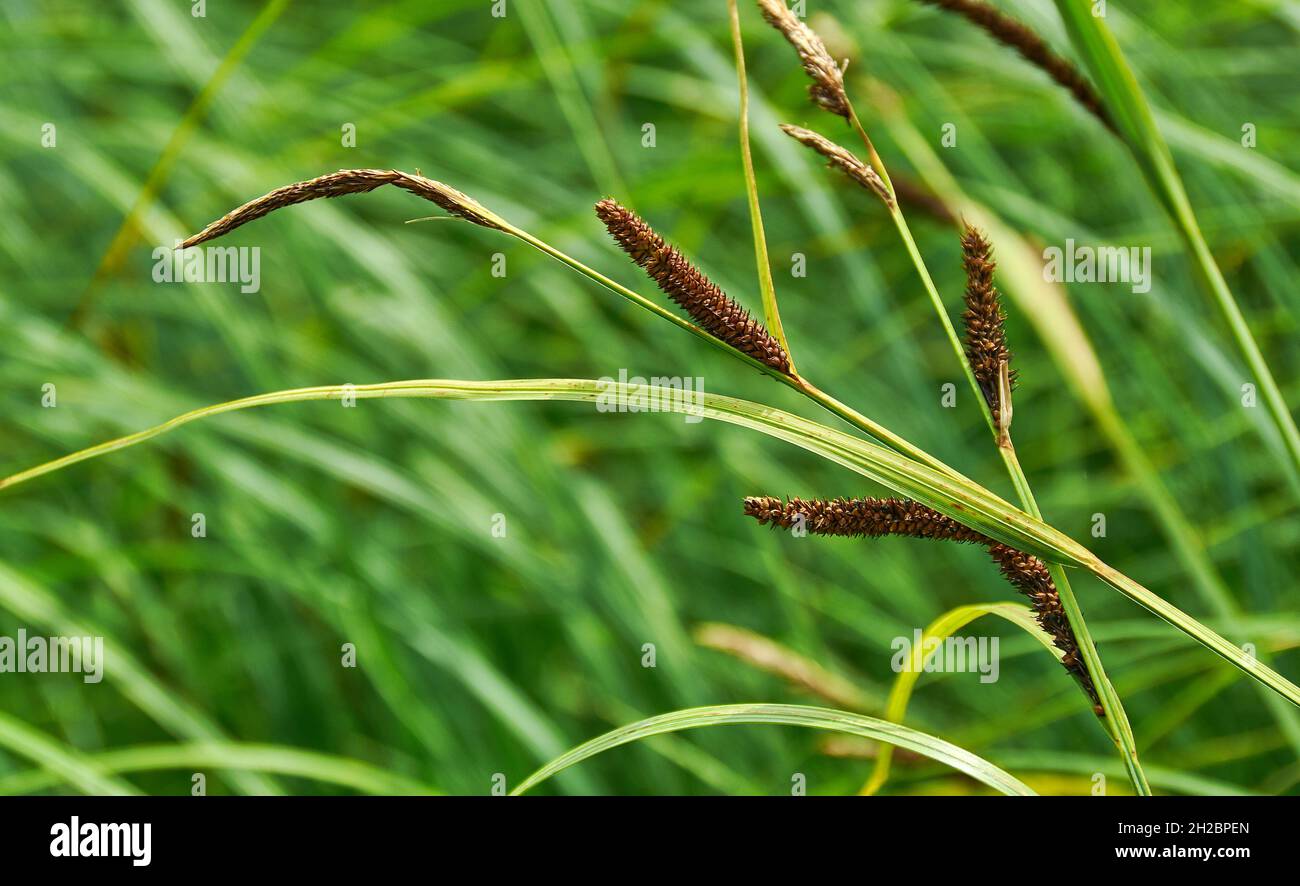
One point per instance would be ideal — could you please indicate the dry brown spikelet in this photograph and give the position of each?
(827, 87)
(701, 298)
(348, 181)
(768, 655)
(878, 517)
(1019, 36)
(842, 159)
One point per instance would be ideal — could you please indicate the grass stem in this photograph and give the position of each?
(1115, 721)
(771, 315)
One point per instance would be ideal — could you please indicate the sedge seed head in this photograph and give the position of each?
(879, 517)
(716, 312)
(984, 320)
(860, 517)
(1033, 48)
(827, 87)
(841, 158)
(338, 184)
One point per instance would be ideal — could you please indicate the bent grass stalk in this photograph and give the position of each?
(465, 208)
(1120, 104)
(966, 502)
(1058, 327)
(1115, 721)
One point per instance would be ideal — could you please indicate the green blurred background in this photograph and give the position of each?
(480, 655)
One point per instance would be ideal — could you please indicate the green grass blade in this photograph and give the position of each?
(771, 316)
(789, 715)
(131, 228)
(62, 763)
(1044, 304)
(963, 500)
(35, 604)
(1127, 103)
(277, 759)
(941, 629)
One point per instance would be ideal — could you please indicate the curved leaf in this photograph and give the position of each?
(66, 763)
(964, 500)
(789, 715)
(940, 629)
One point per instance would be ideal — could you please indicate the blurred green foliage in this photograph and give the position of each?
(373, 525)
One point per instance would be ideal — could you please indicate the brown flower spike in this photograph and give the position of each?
(860, 518)
(986, 336)
(347, 181)
(1020, 37)
(878, 517)
(827, 88)
(685, 284)
(842, 159)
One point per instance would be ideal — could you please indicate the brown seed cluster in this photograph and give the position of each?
(841, 159)
(1029, 575)
(347, 181)
(685, 284)
(985, 323)
(878, 517)
(827, 87)
(1019, 36)
(860, 517)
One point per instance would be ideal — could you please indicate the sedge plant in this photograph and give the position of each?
(933, 499)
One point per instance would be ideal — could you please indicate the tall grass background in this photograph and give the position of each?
(372, 526)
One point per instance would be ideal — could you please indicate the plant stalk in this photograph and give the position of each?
(771, 316)
(1115, 721)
